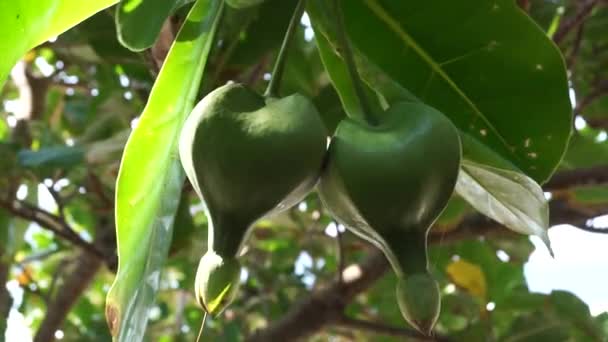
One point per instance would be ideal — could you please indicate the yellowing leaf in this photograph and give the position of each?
(469, 277)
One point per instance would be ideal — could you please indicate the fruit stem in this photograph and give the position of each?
(200, 332)
(279, 66)
(347, 54)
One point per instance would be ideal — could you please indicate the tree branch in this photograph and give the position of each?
(73, 285)
(599, 122)
(578, 177)
(570, 23)
(324, 307)
(383, 329)
(524, 5)
(576, 46)
(5, 298)
(50, 222)
(600, 90)
(79, 276)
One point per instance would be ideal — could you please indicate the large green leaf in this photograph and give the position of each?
(509, 197)
(483, 63)
(27, 23)
(138, 22)
(150, 178)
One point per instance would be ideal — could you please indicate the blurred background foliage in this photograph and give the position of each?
(68, 109)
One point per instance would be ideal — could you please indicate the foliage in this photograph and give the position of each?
(126, 78)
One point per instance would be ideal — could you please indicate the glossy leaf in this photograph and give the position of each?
(138, 22)
(468, 64)
(511, 198)
(339, 75)
(28, 23)
(151, 178)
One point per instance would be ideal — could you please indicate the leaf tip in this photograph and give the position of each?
(545, 238)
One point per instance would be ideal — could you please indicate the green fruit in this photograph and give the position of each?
(246, 156)
(240, 4)
(388, 184)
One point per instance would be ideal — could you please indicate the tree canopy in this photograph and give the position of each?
(101, 232)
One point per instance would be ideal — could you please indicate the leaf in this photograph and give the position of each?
(451, 216)
(28, 23)
(150, 177)
(138, 22)
(468, 276)
(51, 157)
(511, 198)
(468, 64)
(585, 150)
(339, 75)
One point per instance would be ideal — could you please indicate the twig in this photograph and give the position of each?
(326, 306)
(74, 284)
(524, 5)
(576, 46)
(578, 177)
(600, 122)
(601, 89)
(569, 24)
(257, 72)
(96, 187)
(340, 252)
(384, 329)
(58, 200)
(37, 257)
(50, 222)
(58, 271)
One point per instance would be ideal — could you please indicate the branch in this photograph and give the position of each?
(5, 298)
(578, 177)
(340, 254)
(74, 285)
(524, 5)
(78, 278)
(50, 222)
(570, 23)
(600, 90)
(578, 39)
(383, 329)
(326, 306)
(600, 122)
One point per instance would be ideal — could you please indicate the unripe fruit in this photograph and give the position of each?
(246, 156)
(388, 184)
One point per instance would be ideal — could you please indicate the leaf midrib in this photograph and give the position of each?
(381, 13)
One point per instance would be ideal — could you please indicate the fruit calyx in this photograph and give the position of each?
(217, 281)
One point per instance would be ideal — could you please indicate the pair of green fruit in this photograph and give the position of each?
(249, 156)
